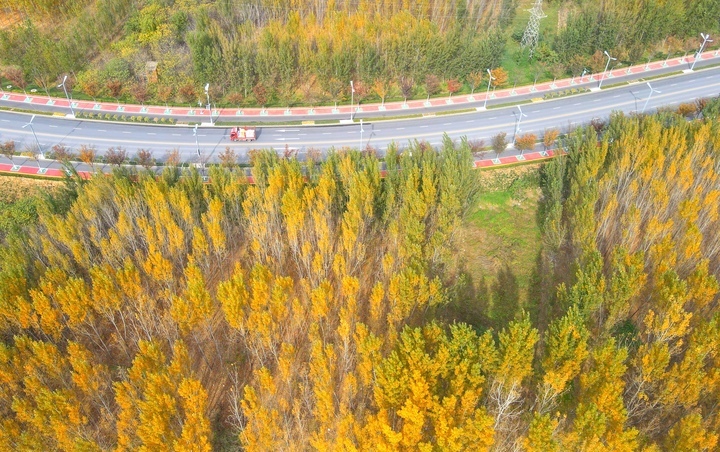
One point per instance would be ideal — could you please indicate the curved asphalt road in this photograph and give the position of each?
(563, 114)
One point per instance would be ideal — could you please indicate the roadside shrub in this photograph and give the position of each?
(499, 143)
(598, 124)
(116, 156)
(144, 158)
(60, 152)
(8, 148)
(525, 142)
(87, 154)
(687, 109)
(477, 147)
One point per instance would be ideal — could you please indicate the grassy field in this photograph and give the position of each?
(499, 245)
(14, 188)
(19, 199)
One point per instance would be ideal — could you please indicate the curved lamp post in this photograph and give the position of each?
(352, 98)
(209, 106)
(33, 132)
(197, 145)
(72, 112)
(706, 39)
(652, 90)
(606, 67)
(487, 93)
(517, 127)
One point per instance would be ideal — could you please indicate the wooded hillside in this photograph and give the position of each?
(307, 311)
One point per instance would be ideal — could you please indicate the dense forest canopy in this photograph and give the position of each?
(316, 309)
(319, 307)
(284, 52)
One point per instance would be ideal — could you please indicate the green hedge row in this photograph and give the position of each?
(125, 118)
(565, 92)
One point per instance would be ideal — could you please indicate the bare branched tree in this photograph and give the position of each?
(116, 156)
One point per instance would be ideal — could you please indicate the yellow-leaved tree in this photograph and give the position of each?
(429, 392)
(154, 401)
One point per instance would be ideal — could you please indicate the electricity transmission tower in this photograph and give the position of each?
(530, 37)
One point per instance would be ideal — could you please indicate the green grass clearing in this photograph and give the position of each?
(499, 244)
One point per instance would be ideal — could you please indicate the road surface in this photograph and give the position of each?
(563, 113)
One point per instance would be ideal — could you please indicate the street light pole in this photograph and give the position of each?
(33, 132)
(361, 132)
(207, 95)
(487, 93)
(706, 39)
(652, 90)
(352, 98)
(72, 112)
(197, 145)
(517, 127)
(606, 67)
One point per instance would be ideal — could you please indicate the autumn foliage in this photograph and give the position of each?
(154, 307)
(309, 310)
(631, 235)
